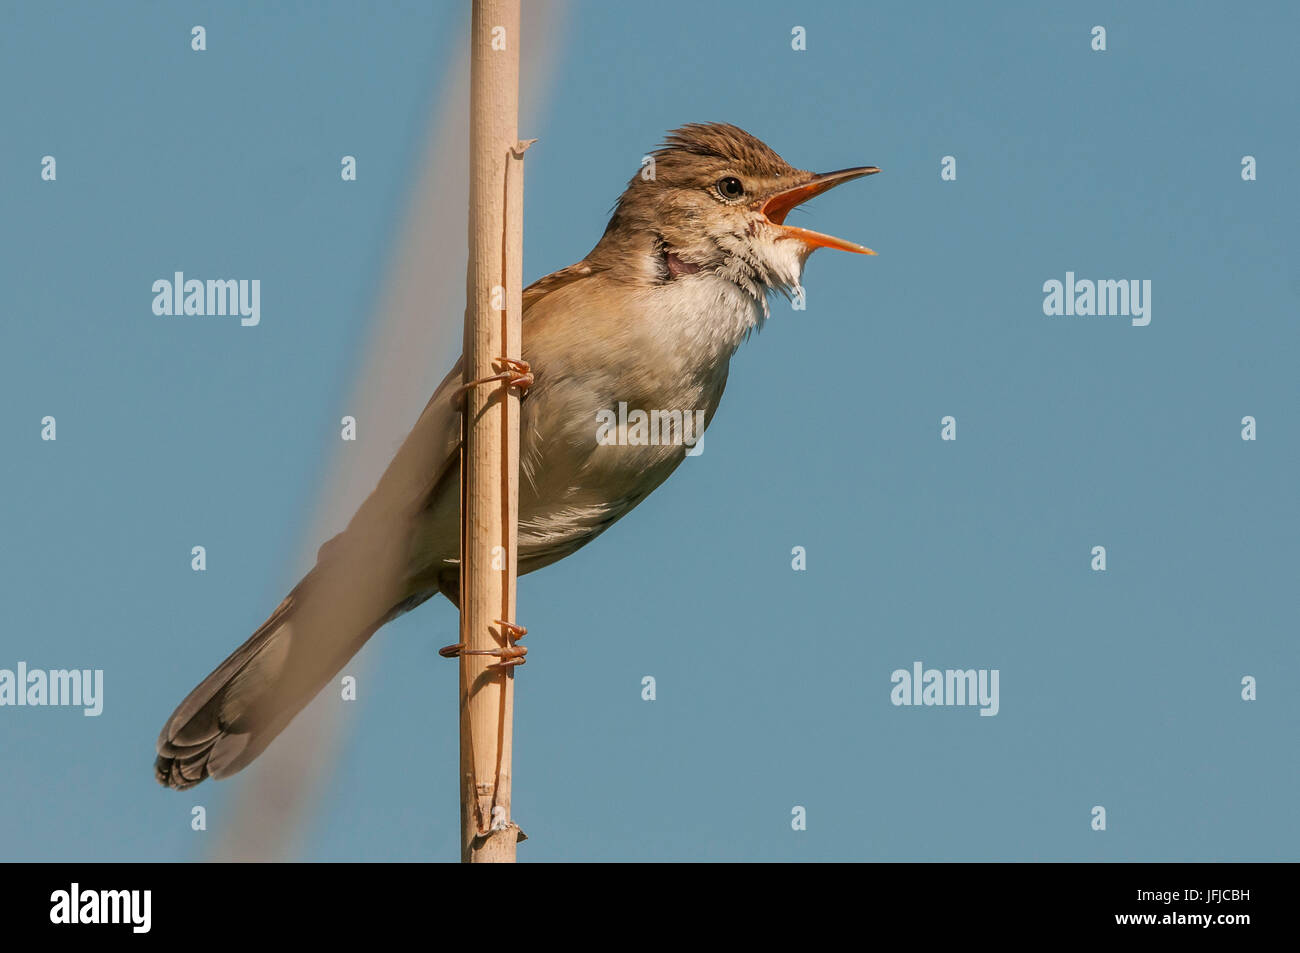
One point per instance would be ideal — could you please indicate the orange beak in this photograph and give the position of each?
(778, 206)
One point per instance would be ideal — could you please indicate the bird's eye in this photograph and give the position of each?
(729, 187)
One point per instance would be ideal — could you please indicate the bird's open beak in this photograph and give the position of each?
(778, 206)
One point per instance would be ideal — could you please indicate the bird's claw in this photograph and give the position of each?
(511, 630)
(516, 373)
(510, 654)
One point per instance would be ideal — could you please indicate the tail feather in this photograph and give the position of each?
(234, 713)
(204, 735)
(364, 576)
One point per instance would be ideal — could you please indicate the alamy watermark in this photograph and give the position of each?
(219, 296)
(653, 428)
(954, 686)
(1125, 297)
(75, 905)
(61, 687)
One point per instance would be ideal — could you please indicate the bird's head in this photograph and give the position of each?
(714, 198)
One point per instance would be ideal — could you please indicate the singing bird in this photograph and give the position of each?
(651, 317)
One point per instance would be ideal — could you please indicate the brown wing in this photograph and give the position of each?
(427, 463)
(540, 288)
(363, 577)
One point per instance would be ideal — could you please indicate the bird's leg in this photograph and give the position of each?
(510, 654)
(517, 373)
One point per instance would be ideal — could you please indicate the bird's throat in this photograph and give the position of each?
(676, 266)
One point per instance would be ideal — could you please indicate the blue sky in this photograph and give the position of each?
(1119, 688)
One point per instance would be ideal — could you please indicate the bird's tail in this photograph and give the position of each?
(234, 713)
(363, 577)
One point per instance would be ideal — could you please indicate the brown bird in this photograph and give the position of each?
(650, 318)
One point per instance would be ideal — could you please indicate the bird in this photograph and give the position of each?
(651, 317)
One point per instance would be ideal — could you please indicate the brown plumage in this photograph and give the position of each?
(650, 317)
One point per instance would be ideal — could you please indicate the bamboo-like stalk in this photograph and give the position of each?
(490, 459)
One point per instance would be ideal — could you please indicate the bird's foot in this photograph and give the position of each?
(510, 654)
(516, 373)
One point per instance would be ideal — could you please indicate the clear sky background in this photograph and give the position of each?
(1120, 689)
